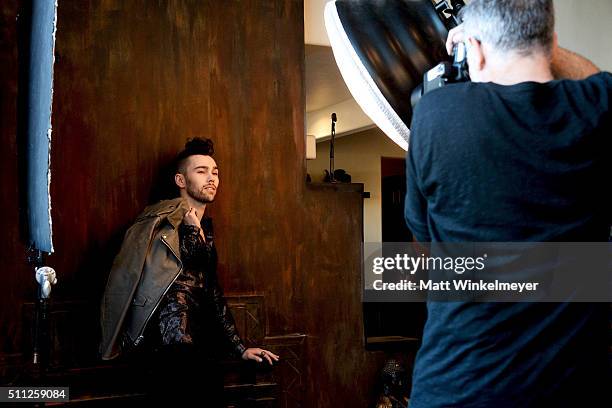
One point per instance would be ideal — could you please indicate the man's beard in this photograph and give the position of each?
(199, 195)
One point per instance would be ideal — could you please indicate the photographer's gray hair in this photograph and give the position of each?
(511, 25)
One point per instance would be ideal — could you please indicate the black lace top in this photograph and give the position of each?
(194, 310)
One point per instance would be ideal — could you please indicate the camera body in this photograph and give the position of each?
(446, 72)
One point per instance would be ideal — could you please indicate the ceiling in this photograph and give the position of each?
(326, 91)
(324, 84)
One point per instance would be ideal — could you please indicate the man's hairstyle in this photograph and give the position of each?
(523, 26)
(194, 146)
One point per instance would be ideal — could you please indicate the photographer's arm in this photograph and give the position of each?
(566, 64)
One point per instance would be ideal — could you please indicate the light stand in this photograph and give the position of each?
(334, 119)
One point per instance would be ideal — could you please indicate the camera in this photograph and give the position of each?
(446, 72)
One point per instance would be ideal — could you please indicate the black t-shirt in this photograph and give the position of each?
(494, 163)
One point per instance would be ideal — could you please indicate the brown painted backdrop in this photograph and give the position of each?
(133, 80)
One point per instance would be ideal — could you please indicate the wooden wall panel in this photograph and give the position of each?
(341, 372)
(17, 280)
(133, 80)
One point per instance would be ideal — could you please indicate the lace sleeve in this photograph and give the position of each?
(226, 320)
(191, 242)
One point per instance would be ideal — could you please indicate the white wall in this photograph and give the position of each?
(350, 119)
(359, 154)
(585, 27)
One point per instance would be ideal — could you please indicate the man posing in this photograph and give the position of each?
(514, 155)
(163, 289)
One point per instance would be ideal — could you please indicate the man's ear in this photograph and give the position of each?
(478, 56)
(476, 59)
(179, 179)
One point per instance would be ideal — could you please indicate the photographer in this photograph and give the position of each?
(519, 154)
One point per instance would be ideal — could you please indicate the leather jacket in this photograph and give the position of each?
(147, 265)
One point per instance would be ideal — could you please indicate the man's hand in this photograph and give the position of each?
(191, 218)
(258, 355)
(455, 36)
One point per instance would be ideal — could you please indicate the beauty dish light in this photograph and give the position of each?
(382, 49)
